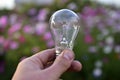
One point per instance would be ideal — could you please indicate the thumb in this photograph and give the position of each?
(61, 63)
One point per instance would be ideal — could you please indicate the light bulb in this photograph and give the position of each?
(64, 26)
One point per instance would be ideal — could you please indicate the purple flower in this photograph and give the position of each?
(117, 49)
(1, 39)
(32, 11)
(116, 27)
(42, 15)
(114, 15)
(40, 28)
(89, 21)
(97, 72)
(72, 6)
(88, 11)
(47, 36)
(50, 43)
(100, 25)
(3, 21)
(13, 45)
(28, 29)
(101, 10)
(13, 19)
(88, 39)
(110, 21)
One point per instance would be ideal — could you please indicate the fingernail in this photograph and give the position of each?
(68, 55)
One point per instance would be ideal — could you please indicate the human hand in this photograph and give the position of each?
(37, 67)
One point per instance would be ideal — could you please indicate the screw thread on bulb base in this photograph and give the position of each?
(57, 52)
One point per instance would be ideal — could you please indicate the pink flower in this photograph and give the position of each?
(50, 43)
(40, 28)
(101, 10)
(88, 39)
(6, 44)
(3, 21)
(88, 11)
(14, 45)
(28, 29)
(14, 28)
(42, 14)
(22, 39)
(1, 39)
(47, 36)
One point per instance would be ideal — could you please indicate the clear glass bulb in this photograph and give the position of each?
(65, 25)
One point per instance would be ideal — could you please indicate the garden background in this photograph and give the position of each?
(24, 31)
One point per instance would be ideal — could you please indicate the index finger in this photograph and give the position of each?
(45, 56)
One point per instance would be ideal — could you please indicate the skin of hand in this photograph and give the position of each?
(39, 67)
